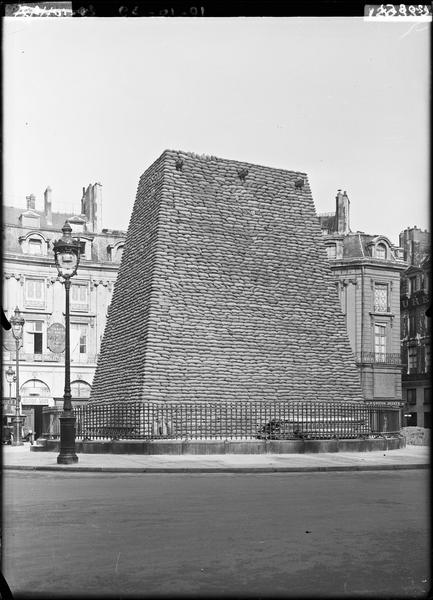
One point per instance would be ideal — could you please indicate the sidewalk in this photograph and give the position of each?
(411, 457)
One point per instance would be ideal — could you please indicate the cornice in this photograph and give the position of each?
(47, 261)
(367, 262)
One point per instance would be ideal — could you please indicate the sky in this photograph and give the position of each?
(98, 100)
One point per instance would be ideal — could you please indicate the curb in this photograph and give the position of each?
(319, 469)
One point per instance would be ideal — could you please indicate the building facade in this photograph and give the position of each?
(31, 283)
(366, 270)
(416, 327)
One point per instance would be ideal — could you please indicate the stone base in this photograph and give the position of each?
(203, 447)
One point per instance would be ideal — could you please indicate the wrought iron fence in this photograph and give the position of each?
(229, 420)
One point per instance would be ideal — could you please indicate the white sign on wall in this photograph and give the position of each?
(34, 401)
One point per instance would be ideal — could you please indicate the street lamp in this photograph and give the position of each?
(10, 378)
(67, 258)
(17, 325)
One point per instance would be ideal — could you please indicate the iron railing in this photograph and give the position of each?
(36, 357)
(384, 358)
(229, 420)
(52, 357)
(85, 359)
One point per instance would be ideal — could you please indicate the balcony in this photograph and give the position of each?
(88, 359)
(85, 359)
(385, 358)
(380, 308)
(31, 357)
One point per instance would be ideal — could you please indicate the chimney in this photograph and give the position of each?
(342, 212)
(97, 206)
(83, 202)
(47, 206)
(31, 202)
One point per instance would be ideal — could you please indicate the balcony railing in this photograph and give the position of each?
(50, 357)
(35, 357)
(85, 359)
(384, 358)
(379, 308)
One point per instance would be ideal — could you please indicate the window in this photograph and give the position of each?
(82, 249)
(379, 342)
(404, 326)
(119, 253)
(114, 253)
(79, 296)
(381, 297)
(427, 362)
(80, 389)
(412, 359)
(413, 285)
(411, 420)
(77, 225)
(427, 396)
(411, 396)
(79, 333)
(33, 337)
(331, 249)
(34, 388)
(427, 420)
(412, 326)
(381, 251)
(35, 246)
(34, 292)
(426, 282)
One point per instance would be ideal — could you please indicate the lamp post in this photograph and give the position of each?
(67, 258)
(17, 324)
(10, 378)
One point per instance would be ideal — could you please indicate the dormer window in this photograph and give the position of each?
(115, 252)
(85, 249)
(119, 253)
(35, 246)
(381, 251)
(77, 224)
(30, 219)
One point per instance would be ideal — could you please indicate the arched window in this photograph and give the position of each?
(35, 388)
(34, 244)
(119, 253)
(381, 251)
(80, 389)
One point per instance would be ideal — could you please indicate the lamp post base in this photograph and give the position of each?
(67, 459)
(67, 454)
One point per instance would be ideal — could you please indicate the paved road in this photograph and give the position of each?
(196, 535)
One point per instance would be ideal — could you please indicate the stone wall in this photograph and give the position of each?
(224, 291)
